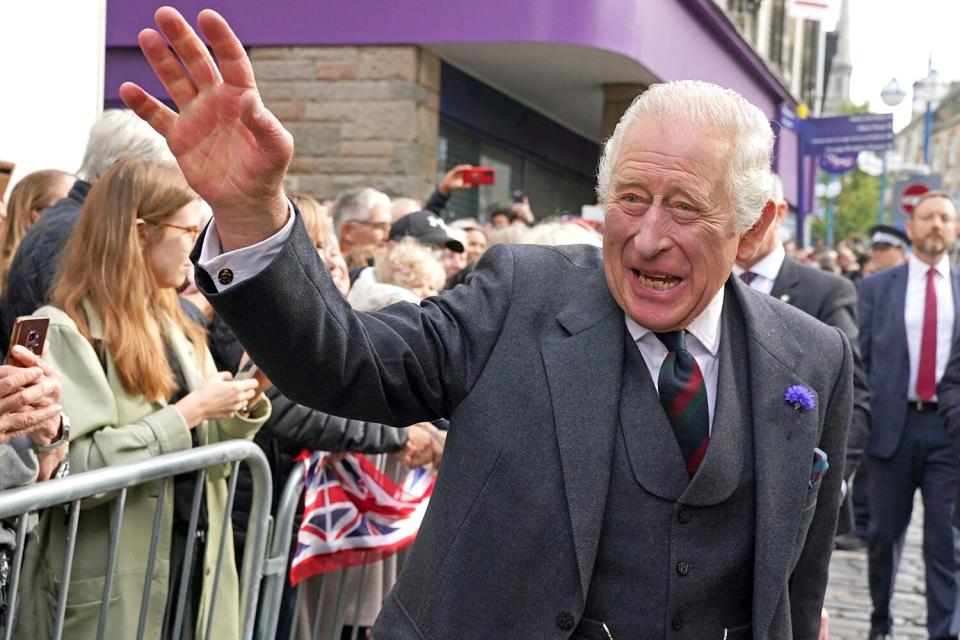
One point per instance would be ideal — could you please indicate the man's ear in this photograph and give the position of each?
(752, 239)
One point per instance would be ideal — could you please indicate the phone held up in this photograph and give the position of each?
(478, 175)
(29, 332)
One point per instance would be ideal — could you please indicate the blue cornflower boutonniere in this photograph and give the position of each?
(800, 397)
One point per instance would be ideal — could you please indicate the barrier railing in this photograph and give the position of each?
(275, 570)
(73, 490)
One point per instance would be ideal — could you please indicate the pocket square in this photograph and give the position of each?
(819, 467)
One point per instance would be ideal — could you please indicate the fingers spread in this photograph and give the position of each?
(151, 110)
(189, 47)
(168, 70)
(234, 63)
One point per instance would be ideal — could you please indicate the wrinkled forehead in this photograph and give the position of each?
(936, 206)
(692, 145)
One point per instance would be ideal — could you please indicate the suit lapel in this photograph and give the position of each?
(955, 285)
(898, 289)
(588, 357)
(787, 279)
(784, 439)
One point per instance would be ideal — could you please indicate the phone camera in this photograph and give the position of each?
(33, 340)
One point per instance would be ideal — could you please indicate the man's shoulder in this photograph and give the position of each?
(822, 281)
(578, 256)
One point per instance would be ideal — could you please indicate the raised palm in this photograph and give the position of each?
(232, 150)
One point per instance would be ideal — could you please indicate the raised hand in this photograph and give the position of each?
(231, 149)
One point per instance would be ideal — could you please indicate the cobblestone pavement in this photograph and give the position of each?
(848, 597)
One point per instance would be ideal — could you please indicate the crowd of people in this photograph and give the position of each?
(407, 315)
(144, 366)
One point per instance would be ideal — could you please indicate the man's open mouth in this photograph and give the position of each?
(658, 281)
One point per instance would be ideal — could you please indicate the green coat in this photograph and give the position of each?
(110, 427)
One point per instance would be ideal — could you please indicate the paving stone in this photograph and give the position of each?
(848, 594)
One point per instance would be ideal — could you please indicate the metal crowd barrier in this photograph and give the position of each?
(275, 570)
(73, 489)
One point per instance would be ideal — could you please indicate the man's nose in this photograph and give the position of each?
(651, 232)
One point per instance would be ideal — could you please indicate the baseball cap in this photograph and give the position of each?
(426, 228)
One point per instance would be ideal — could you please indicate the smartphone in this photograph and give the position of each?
(518, 197)
(29, 332)
(6, 171)
(478, 175)
(248, 370)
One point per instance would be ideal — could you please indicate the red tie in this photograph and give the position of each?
(927, 372)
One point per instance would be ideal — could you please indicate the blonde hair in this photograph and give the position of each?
(32, 193)
(105, 266)
(317, 220)
(409, 264)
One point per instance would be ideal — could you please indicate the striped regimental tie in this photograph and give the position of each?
(684, 398)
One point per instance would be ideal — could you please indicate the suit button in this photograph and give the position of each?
(683, 567)
(565, 620)
(684, 516)
(677, 622)
(225, 276)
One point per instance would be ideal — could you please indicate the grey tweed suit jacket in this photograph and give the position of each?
(526, 362)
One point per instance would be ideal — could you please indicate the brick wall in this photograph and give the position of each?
(360, 116)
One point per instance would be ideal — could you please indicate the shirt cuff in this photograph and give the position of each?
(233, 267)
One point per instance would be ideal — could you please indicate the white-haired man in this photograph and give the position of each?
(637, 442)
(362, 217)
(115, 134)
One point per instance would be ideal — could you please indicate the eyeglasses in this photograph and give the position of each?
(194, 232)
(379, 226)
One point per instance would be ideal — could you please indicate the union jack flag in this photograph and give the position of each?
(353, 514)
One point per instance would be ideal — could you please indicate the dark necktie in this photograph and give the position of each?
(747, 277)
(684, 398)
(927, 370)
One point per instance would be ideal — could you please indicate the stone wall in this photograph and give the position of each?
(360, 116)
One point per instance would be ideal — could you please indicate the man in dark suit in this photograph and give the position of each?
(830, 299)
(638, 443)
(907, 328)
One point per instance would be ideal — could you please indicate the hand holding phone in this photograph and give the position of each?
(478, 175)
(30, 332)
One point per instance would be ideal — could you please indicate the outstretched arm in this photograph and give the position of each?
(231, 149)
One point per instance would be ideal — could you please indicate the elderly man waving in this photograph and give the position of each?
(639, 444)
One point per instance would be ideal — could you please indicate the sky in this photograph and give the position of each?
(893, 39)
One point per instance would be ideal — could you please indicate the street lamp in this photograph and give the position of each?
(926, 91)
(892, 95)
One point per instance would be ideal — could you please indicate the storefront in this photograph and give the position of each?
(392, 94)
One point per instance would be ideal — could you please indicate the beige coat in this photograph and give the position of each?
(111, 427)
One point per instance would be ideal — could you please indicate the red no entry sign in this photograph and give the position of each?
(911, 195)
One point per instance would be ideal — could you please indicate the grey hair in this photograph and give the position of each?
(356, 204)
(118, 133)
(557, 232)
(724, 111)
(776, 189)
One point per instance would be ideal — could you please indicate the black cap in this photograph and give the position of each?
(883, 234)
(426, 228)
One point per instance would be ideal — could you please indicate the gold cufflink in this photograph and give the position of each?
(225, 276)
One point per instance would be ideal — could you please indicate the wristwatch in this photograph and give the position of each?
(62, 437)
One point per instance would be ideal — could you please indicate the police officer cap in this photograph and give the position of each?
(882, 234)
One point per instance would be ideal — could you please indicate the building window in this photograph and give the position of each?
(778, 25)
(551, 189)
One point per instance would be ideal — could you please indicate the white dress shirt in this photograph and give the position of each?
(702, 341)
(766, 269)
(243, 263)
(913, 316)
